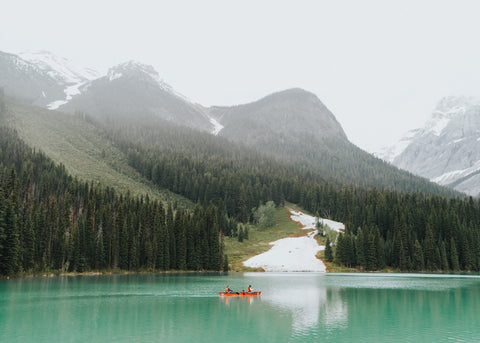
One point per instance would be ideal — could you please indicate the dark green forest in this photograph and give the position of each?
(409, 231)
(51, 221)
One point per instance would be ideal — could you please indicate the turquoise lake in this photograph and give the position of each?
(293, 307)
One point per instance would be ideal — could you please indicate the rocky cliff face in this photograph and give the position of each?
(447, 149)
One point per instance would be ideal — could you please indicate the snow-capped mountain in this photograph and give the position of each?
(447, 149)
(71, 77)
(131, 89)
(25, 82)
(59, 68)
(134, 90)
(41, 78)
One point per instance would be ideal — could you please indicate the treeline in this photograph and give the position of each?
(208, 169)
(51, 221)
(408, 231)
(411, 232)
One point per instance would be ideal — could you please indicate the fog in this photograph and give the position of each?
(379, 66)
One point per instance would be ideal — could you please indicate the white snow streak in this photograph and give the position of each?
(113, 76)
(454, 175)
(295, 254)
(70, 91)
(217, 127)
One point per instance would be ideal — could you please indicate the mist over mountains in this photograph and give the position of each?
(41, 78)
(293, 126)
(115, 149)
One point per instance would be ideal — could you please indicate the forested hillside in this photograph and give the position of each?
(296, 127)
(407, 231)
(76, 225)
(78, 144)
(51, 221)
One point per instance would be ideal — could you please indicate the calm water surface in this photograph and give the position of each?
(293, 307)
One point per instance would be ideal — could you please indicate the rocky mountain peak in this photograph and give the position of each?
(138, 71)
(447, 148)
(59, 68)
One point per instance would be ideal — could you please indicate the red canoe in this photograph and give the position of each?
(239, 294)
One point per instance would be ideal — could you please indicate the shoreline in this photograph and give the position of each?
(105, 272)
(121, 272)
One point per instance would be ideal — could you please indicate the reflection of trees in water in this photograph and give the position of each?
(334, 309)
(441, 309)
(311, 307)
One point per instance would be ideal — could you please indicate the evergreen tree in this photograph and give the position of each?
(328, 251)
(360, 248)
(371, 252)
(28, 244)
(429, 247)
(123, 256)
(240, 233)
(443, 256)
(455, 265)
(225, 263)
(170, 231)
(380, 249)
(2, 222)
(418, 263)
(180, 241)
(99, 251)
(9, 264)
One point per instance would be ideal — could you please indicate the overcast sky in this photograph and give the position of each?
(380, 66)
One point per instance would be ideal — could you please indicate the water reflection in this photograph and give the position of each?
(305, 298)
(311, 306)
(250, 299)
(293, 307)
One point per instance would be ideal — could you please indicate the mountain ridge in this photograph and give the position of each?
(292, 125)
(446, 149)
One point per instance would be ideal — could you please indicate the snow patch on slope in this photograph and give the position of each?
(295, 254)
(70, 92)
(452, 176)
(61, 70)
(217, 127)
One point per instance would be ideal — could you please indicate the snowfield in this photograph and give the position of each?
(295, 254)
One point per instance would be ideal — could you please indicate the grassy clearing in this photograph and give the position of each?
(259, 239)
(84, 151)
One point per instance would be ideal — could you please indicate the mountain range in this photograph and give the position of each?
(291, 126)
(446, 149)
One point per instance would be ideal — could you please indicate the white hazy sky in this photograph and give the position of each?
(380, 66)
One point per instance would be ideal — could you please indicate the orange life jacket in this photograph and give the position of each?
(250, 290)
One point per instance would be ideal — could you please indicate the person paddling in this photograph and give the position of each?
(250, 289)
(228, 289)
